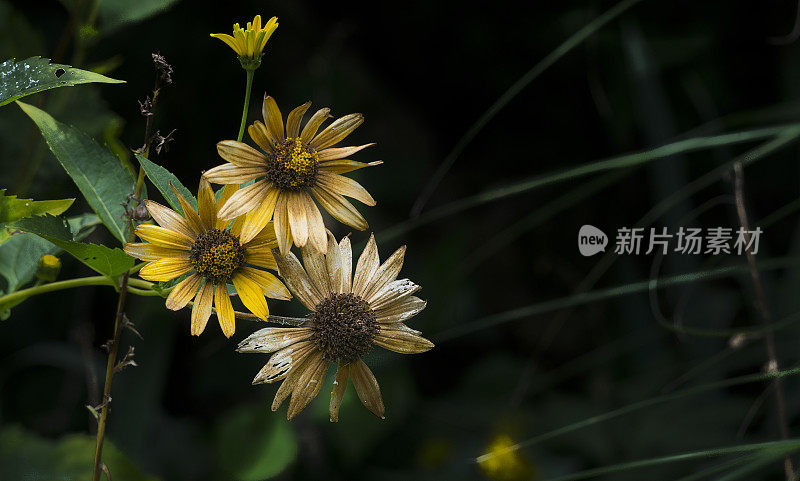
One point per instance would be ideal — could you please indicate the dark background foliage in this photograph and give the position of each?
(422, 73)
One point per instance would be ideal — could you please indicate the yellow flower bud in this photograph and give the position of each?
(48, 269)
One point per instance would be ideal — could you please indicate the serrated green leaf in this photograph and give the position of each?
(35, 74)
(253, 444)
(161, 178)
(97, 172)
(12, 208)
(106, 261)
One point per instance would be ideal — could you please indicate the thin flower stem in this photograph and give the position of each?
(111, 365)
(110, 369)
(766, 316)
(246, 107)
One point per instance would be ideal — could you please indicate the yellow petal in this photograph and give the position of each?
(226, 194)
(201, 310)
(165, 269)
(169, 219)
(225, 315)
(335, 132)
(233, 174)
(273, 118)
(402, 341)
(316, 226)
(163, 237)
(345, 186)
(183, 292)
(317, 270)
(339, 386)
(261, 258)
(261, 136)
(313, 124)
(188, 211)
(240, 154)
(296, 278)
(281, 362)
(400, 311)
(367, 387)
(307, 387)
(393, 293)
(281, 223)
(206, 204)
(270, 285)
(295, 207)
(150, 252)
(341, 152)
(252, 295)
(272, 339)
(293, 120)
(343, 166)
(339, 208)
(230, 41)
(333, 263)
(347, 264)
(366, 267)
(244, 200)
(385, 274)
(256, 220)
(293, 375)
(264, 239)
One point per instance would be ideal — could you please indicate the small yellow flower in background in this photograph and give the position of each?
(294, 166)
(200, 243)
(504, 462)
(48, 268)
(349, 315)
(249, 43)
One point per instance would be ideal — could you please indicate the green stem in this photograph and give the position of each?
(136, 286)
(246, 107)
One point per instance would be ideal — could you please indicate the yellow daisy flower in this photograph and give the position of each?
(249, 43)
(200, 243)
(349, 314)
(296, 165)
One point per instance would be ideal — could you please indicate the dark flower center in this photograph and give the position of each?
(294, 166)
(344, 327)
(216, 255)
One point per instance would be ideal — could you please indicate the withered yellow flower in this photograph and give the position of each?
(200, 243)
(349, 315)
(294, 166)
(249, 43)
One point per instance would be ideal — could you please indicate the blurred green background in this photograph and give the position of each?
(519, 352)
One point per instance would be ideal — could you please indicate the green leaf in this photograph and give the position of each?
(254, 444)
(161, 178)
(20, 255)
(12, 208)
(24, 455)
(106, 261)
(116, 13)
(96, 171)
(35, 74)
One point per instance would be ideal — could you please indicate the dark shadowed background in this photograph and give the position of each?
(519, 352)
